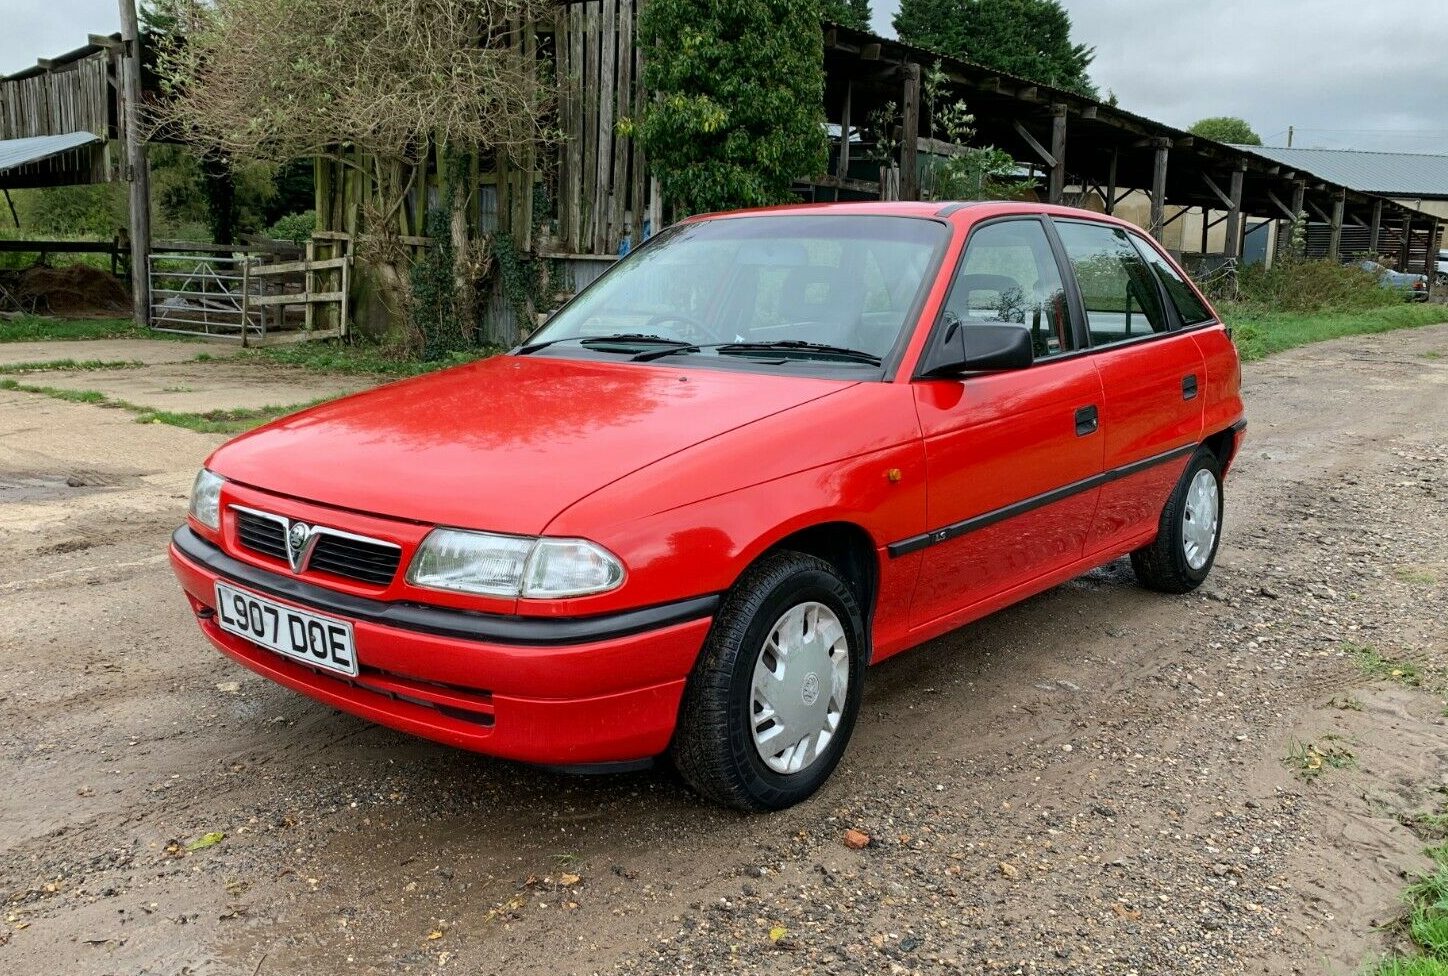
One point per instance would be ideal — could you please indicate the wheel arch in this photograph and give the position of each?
(849, 548)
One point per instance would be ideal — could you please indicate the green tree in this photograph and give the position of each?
(1026, 38)
(851, 13)
(740, 114)
(1226, 128)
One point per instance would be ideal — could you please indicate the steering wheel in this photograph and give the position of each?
(691, 329)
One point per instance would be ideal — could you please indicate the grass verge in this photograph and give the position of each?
(37, 329)
(363, 358)
(209, 422)
(71, 364)
(1258, 334)
(1426, 924)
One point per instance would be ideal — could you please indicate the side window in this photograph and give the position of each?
(1009, 274)
(1118, 289)
(1188, 305)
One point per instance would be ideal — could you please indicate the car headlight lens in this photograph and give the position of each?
(510, 565)
(206, 499)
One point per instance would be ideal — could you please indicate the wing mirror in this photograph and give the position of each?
(978, 348)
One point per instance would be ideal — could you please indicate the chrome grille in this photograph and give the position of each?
(329, 550)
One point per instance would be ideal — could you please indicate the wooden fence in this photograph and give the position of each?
(76, 98)
(604, 190)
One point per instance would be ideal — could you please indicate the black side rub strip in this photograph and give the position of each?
(493, 628)
(936, 536)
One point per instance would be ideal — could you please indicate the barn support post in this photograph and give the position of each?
(137, 169)
(910, 136)
(1405, 244)
(1375, 229)
(842, 165)
(1111, 183)
(1233, 246)
(1158, 187)
(1334, 241)
(1057, 186)
(1430, 255)
(1206, 228)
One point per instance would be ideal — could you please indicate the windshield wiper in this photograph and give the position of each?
(617, 339)
(799, 345)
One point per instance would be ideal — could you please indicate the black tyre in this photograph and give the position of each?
(1186, 541)
(772, 700)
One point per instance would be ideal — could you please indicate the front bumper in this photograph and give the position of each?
(554, 691)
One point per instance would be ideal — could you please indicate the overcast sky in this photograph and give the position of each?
(1349, 74)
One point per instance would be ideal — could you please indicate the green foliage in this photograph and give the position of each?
(1261, 334)
(1291, 285)
(1027, 38)
(365, 358)
(434, 295)
(740, 113)
(851, 13)
(93, 212)
(38, 329)
(1226, 128)
(296, 227)
(978, 173)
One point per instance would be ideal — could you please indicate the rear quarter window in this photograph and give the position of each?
(1188, 306)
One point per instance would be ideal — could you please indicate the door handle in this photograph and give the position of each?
(1086, 420)
(1189, 386)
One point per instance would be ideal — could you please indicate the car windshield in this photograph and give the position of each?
(761, 291)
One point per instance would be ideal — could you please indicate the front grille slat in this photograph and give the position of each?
(357, 559)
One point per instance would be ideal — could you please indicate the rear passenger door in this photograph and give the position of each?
(1152, 375)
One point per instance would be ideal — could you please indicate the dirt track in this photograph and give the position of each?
(1090, 782)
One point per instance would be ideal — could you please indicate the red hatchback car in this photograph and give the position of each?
(764, 451)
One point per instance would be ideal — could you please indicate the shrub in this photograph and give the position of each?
(1293, 285)
(294, 227)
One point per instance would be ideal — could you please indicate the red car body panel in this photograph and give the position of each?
(969, 493)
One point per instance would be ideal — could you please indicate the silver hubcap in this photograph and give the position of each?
(1199, 524)
(800, 683)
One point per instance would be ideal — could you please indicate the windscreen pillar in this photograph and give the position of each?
(910, 136)
(1334, 240)
(1162, 147)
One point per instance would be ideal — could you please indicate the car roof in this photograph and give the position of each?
(934, 209)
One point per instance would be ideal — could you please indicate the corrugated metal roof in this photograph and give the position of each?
(18, 152)
(1391, 174)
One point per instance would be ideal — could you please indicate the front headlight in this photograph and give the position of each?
(206, 499)
(511, 565)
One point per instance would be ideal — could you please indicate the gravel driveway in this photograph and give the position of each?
(1090, 782)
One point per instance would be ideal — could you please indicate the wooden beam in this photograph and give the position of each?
(1282, 207)
(1111, 183)
(1041, 150)
(1057, 187)
(1158, 187)
(1430, 261)
(137, 167)
(1089, 112)
(105, 41)
(1234, 214)
(870, 52)
(1217, 190)
(1029, 93)
(842, 165)
(909, 147)
(1375, 229)
(1186, 142)
(1334, 241)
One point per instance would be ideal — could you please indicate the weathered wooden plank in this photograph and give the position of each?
(623, 93)
(639, 163)
(576, 135)
(565, 124)
(608, 61)
(591, 50)
(298, 298)
(295, 267)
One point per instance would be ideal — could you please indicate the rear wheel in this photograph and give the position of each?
(1185, 548)
(773, 698)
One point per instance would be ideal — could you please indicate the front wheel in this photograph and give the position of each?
(773, 698)
(1181, 556)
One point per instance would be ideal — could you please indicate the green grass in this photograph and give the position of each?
(1259, 335)
(208, 422)
(70, 364)
(1377, 665)
(37, 329)
(1310, 760)
(365, 358)
(1426, 924)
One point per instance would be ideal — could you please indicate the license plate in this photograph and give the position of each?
(308, 637)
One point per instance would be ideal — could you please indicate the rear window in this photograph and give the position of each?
(1188, 305)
